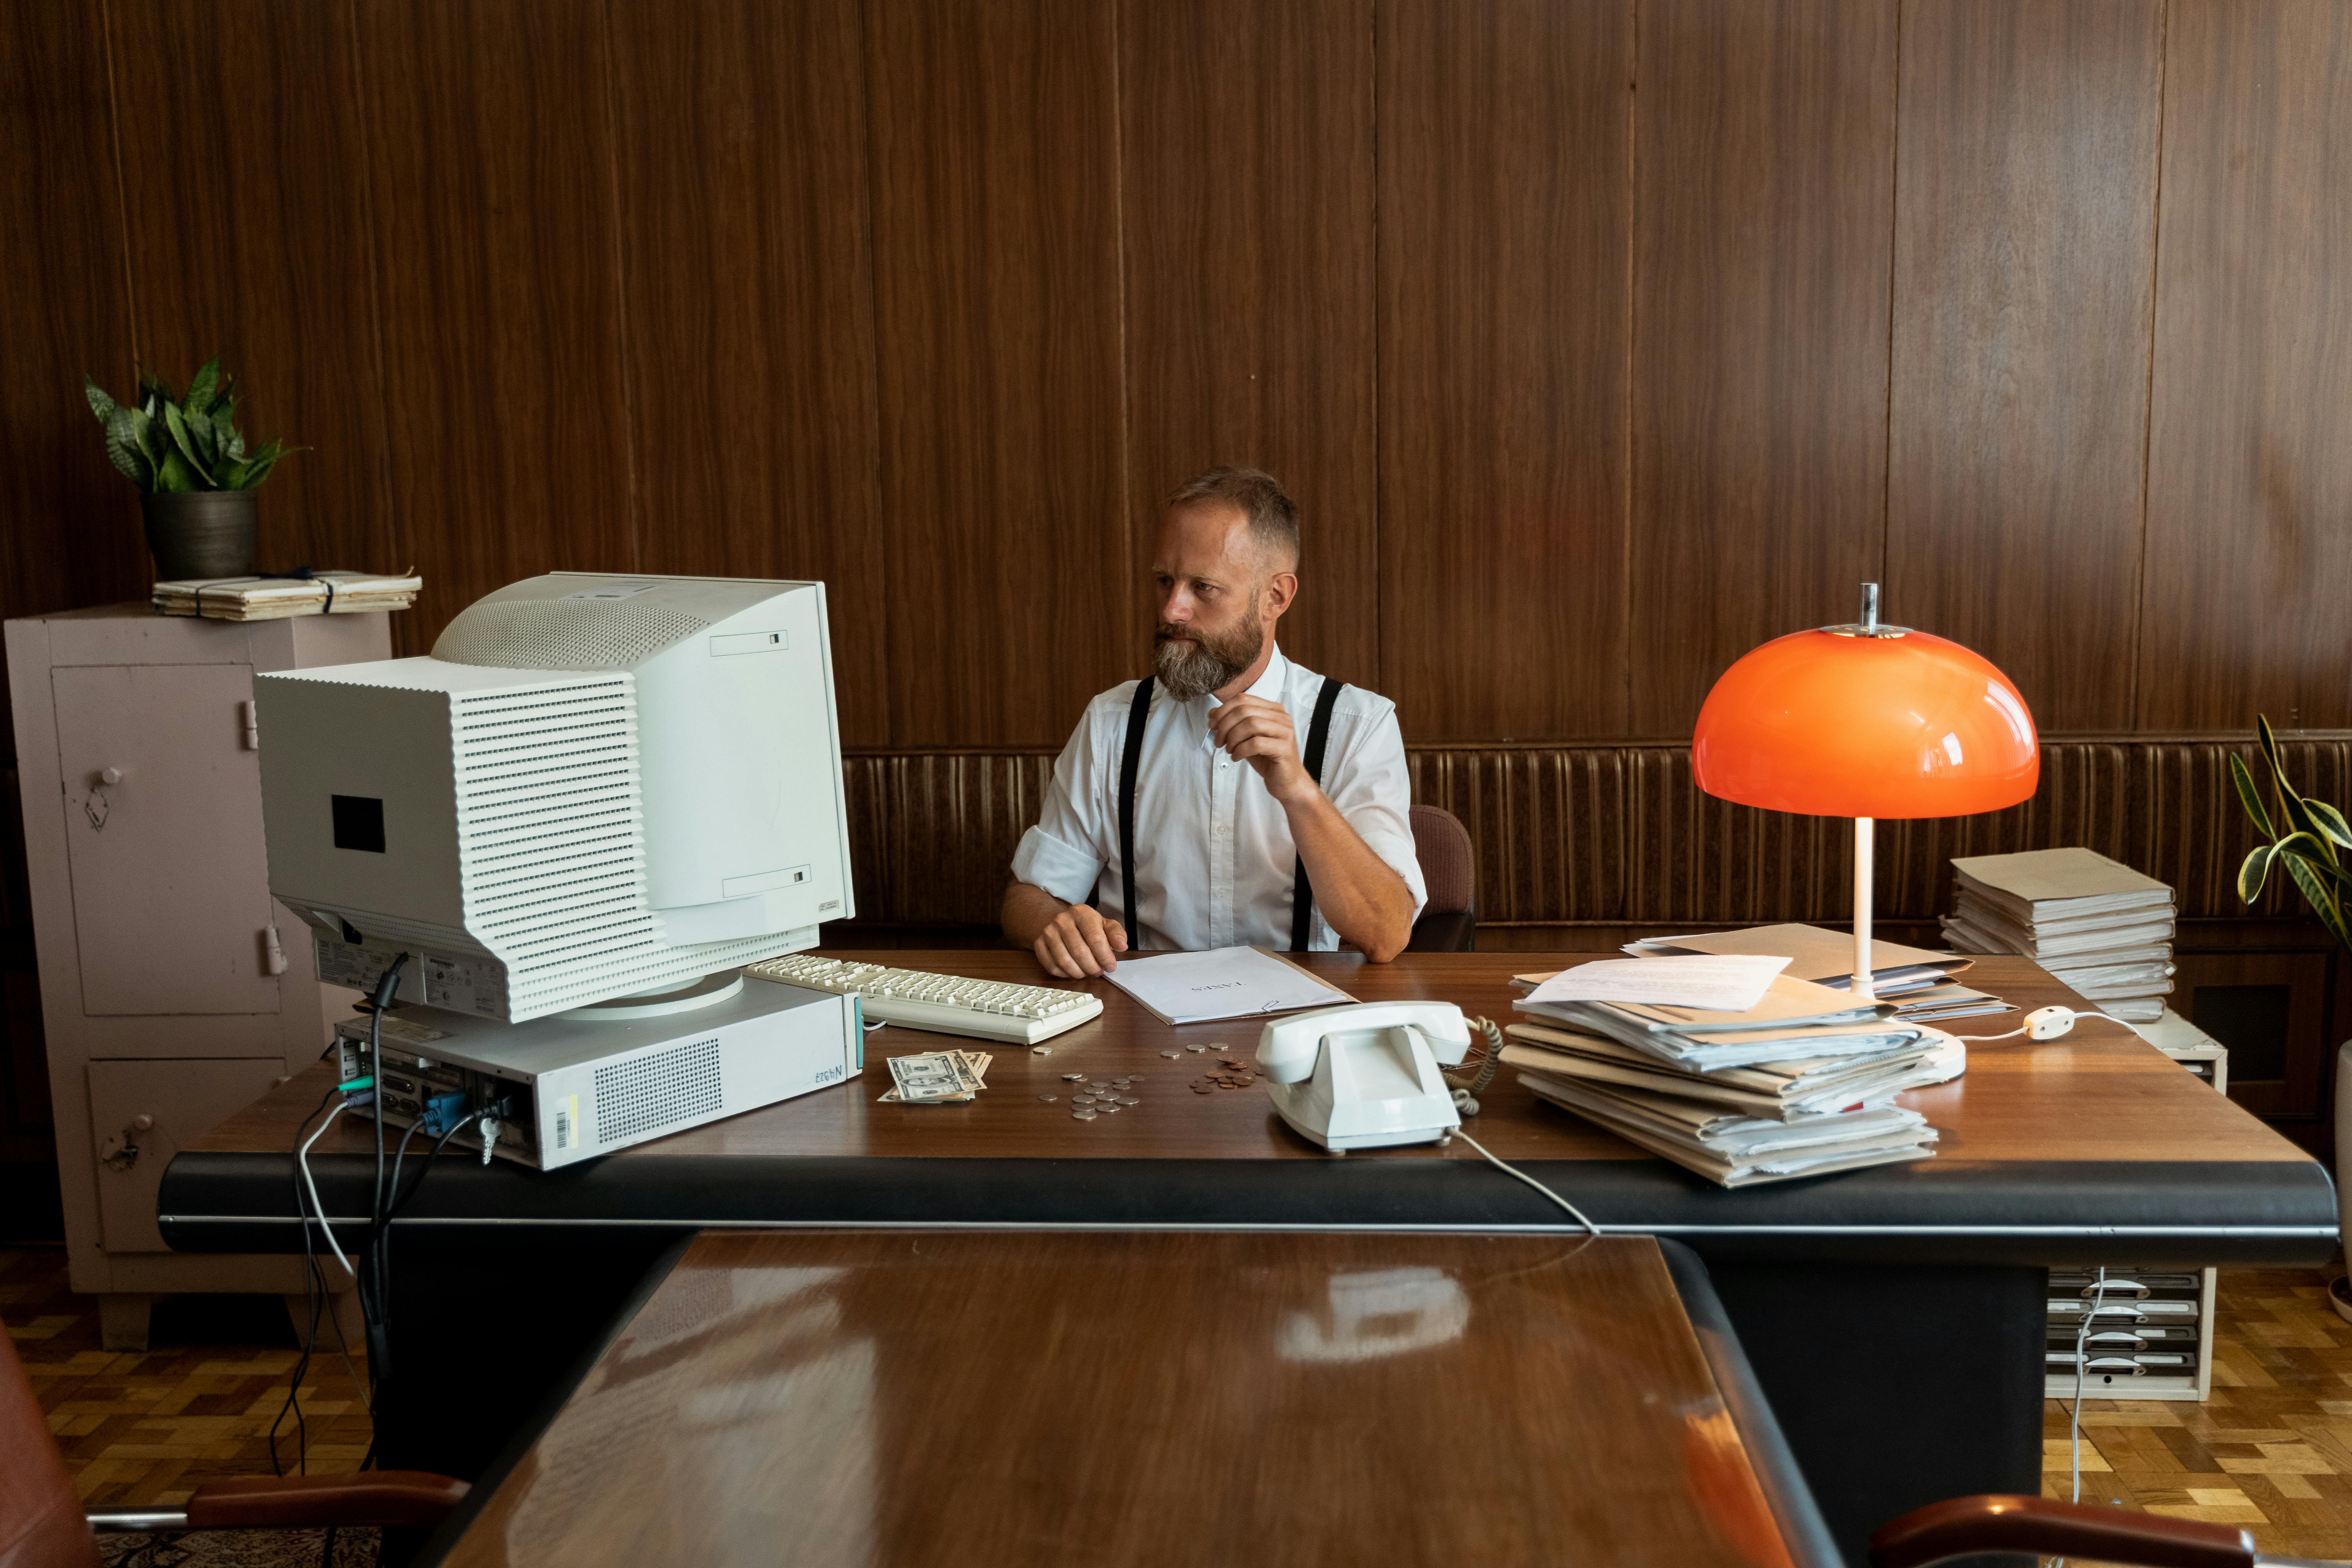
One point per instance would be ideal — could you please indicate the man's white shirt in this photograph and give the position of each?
(1214, 860)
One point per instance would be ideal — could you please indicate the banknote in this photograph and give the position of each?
(934, 1076)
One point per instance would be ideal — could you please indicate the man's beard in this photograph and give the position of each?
(1210, 660)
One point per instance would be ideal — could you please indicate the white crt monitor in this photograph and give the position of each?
(596, 786)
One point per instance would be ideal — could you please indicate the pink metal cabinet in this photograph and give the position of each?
(173, 989)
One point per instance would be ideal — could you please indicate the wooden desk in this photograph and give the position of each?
(1046, 1398)
(2096, 1145)
(1894, 1315)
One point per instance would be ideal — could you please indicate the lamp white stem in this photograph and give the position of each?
(1862, 990)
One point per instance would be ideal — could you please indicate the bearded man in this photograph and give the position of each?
(1184, 814)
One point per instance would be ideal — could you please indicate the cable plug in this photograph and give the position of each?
(2049, 1023)
(489, 1131)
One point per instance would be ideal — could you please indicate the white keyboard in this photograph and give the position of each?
(944, 1003)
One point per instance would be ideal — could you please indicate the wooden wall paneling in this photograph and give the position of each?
(2024, 270)
(1693, 858)
(1503, 299)
(1764, 141)
(491, 163)
(994, 171)
(741, 151)
(1546, 825)
(2250, 477)
(72, 532)
(246, 194)
(1248, 205)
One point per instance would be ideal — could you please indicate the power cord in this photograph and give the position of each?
(2048, 1024)
(2082, 1369)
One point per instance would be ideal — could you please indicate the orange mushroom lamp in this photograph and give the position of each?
(1870, 721)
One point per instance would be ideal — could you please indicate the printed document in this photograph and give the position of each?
(1719, 983)
(1225, 983)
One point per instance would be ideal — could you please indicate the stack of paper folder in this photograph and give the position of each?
(1803, 1084)
(1921, 983)
(2093, 923)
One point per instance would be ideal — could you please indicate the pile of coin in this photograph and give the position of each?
(1232, 1074)
(1088, 1100)
(937, 1078)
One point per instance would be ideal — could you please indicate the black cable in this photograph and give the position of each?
(404, 1199)
(310, 1269)
(379, 1328)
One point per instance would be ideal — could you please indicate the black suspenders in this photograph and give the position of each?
(1302, 898)
(1318, 737)
(1136, 714)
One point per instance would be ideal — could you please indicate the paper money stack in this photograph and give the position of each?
(937, 1078)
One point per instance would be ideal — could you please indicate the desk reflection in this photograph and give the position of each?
(967, 1397)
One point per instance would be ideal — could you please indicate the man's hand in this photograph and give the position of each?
(1079, 945)
(1260, 732)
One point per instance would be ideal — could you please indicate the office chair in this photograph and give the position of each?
(1449, 866)
(1966, 1527)
(42, 1524)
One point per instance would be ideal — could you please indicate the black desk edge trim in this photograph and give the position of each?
(1662, 1227)
(439, 1545)
(1803, 1528)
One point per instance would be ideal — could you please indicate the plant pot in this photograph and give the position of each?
(199, 533)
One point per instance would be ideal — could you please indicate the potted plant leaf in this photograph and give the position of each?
(2310, 839)
(194, 474)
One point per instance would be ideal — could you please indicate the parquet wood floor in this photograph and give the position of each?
(151, 1427)
(2272, 1449)
(2269, 1449)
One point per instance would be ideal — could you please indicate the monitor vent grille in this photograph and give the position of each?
(552, 849)
(562, 634)
(656, 1091)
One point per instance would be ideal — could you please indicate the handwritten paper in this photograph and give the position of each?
(1724, 983)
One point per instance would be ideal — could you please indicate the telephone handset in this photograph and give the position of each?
(1366, 1076)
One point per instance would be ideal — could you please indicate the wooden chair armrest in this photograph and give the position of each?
(1963, 1527)
(298, 1502)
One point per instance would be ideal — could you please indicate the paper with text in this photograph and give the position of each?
(1224, 982)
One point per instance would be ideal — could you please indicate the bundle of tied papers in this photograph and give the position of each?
(2096, 924)
(1799, 1081)
(279, 598)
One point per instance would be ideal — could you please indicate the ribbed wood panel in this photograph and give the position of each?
(1619, 834)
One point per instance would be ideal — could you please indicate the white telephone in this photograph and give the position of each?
(1366, 1076)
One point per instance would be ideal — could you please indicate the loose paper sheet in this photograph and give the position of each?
(1224, 982)
(1726, 983)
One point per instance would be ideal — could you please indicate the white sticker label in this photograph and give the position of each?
(567, 1123)
(614, 591)
(465, 986)
(341, 963)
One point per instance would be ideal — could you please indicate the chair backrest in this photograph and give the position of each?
(41, 1523)
(1448, 865)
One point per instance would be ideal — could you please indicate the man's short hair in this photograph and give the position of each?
(1273, 520)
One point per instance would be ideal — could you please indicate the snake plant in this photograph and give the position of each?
(177, 445)
(2309, 837)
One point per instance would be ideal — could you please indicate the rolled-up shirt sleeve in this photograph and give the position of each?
(1374, 792)
(1065, 853)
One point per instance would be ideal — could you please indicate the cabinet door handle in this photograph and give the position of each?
(274, 950)
(250, 717)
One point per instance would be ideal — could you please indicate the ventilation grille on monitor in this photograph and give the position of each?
(550, 848)
(656, 1091)
(562, 634)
